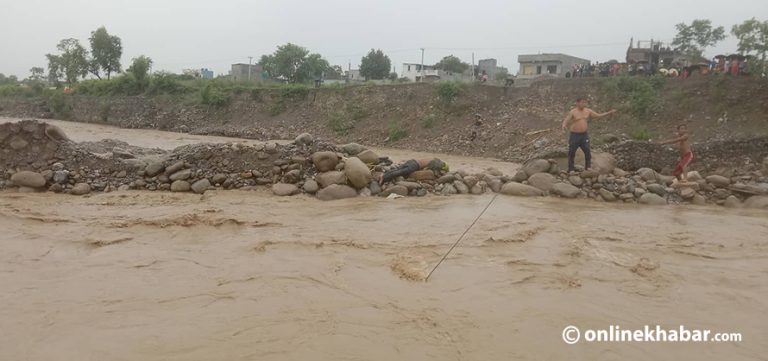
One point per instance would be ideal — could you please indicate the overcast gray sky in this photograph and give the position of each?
(180, 34)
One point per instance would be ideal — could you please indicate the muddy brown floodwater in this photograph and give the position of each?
(238, 275)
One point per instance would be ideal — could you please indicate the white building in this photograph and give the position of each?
(413, 72)
(354, 75)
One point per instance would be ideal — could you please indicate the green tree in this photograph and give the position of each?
(71, 63)
(502, 74)
(375, 65)
(753, 38)
(8, 79)
(313, 67)
(36, 73)
(140, 70)
(293, 64)
(452, 64)
(693, 39)
(106, 51)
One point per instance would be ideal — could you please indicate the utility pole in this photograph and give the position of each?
(422, 64)
(473, 66)
(250, 59)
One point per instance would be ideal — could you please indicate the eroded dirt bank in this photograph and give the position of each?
(517, 122)
(248, 276)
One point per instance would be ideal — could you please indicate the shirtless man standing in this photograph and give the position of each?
(579, 138)
(686, 155)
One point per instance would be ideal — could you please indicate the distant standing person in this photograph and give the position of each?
(576, 123)
(686, 155)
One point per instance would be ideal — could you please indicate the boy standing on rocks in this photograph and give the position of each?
(686, 155)
(576, 123)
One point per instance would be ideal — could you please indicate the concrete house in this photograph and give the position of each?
(239, 72)
(413, 72)
(535, 65)
(656, 53)
(490, 66)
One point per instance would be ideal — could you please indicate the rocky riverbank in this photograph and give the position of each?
(35, 156)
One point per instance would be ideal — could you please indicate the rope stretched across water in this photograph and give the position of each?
(461, 237)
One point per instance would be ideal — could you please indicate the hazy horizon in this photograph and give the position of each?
(196, 34)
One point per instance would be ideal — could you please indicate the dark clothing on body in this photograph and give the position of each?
(575, 141)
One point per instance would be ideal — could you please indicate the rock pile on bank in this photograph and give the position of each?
(32, 161)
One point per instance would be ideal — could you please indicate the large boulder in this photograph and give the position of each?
(536, 166)
(607, 195)
(687, 193)
(311, 186)
(447, 178)
(368, 157)
(304, 139)
(357, 172)
(519, 189)
(657, 188)
(80, 189)
(460, 187)
(732, 202)
(201, 186)
(375, 188)
(410, 185)
(604, 163)
(565, 190)
(576, 180)
(183, 174)
(154, 169)
(520, 176)
(396, 189)
(325, 161)
(652, 199)
(647, 174)
(423, 175)
(543, 181)
(694, 176)
(665, 179)
(180, 186)
(29, 179)
(284, 189)
(718, 181)
(352, 148)
(759, 202)
(175, 167)
(333, 177)
(336, 191)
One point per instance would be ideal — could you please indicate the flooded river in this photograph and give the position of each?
(243, 275)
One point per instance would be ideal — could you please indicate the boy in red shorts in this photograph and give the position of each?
(686, 155)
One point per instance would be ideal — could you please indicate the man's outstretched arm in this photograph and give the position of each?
(675, 140)
(594, 114)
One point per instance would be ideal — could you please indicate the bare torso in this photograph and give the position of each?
(684, 146)
(579, 119)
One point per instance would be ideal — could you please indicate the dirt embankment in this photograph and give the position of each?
(516, 123)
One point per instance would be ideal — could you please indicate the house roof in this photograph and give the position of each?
(531, 58)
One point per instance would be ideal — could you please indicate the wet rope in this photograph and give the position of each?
(461, 237)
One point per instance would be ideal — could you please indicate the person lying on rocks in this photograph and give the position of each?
(686, 155)
(410, 166)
